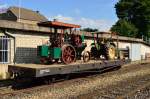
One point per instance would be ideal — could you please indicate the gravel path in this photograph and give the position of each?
(85, 87)
(141, 94)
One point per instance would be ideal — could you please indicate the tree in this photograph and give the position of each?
(136, 13)
(125, 28)
(89, 30)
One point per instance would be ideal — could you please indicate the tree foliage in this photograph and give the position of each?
(89, 30)
(125, 28)
(136, 13)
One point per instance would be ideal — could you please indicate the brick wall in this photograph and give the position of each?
(26, 50)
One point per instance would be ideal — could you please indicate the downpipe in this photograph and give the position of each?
(10, 35)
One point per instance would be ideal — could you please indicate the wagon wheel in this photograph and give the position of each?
(86, 56)
(68, 54)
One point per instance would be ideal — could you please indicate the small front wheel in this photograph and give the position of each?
(86, 56)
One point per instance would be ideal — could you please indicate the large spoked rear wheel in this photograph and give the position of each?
(68, 54)
(110, 52)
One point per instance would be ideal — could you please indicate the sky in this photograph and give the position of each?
(98, 14)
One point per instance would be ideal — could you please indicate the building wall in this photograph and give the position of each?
(27, 21)
(26, 46)
(135, 51)
(11, 53)
(4, 71)
(144, 50)
(124, 44)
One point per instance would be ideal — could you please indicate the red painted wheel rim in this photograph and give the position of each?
(68, 54)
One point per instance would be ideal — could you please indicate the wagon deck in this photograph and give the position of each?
(38, 70)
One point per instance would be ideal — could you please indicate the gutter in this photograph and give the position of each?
(10, 35)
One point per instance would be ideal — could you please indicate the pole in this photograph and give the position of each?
(118, 56)
(19, 9)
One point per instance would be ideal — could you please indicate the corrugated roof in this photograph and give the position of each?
(27, 14)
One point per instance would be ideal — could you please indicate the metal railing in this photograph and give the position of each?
(4, 49)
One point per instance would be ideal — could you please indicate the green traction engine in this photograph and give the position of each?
(103, 47)
(65, 45)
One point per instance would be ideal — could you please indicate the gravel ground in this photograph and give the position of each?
(141, 94)
(117, 91)
(85, 87)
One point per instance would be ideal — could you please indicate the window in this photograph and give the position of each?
(4, 49)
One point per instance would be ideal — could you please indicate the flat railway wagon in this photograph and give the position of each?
(38, 70)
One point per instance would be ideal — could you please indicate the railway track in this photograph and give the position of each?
(119, 90)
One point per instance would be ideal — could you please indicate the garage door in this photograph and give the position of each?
(135, 52)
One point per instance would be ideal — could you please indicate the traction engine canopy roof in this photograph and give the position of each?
(57, 24)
